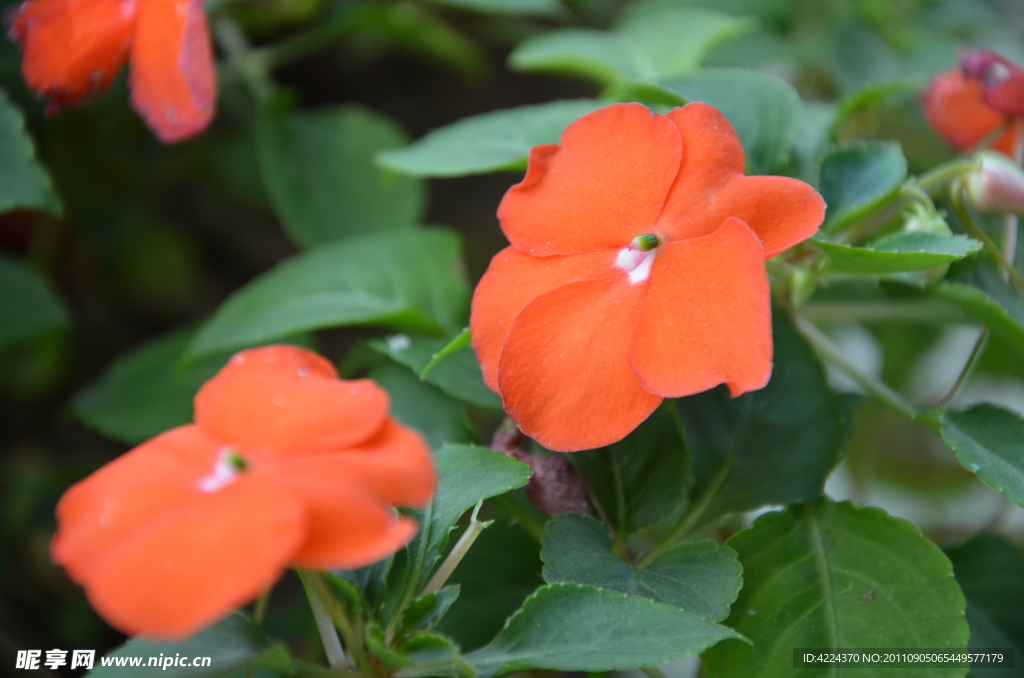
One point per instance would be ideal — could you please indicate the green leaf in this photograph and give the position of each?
(458, 375)
(898, 253)
(231, 645)
(651, 43)
(675, 40)
(410, 281)
(989, 441)
(700, 577)
(978, 289)
(568, 627)
(644, 477)
(832, 575)
(538, 7)
(465, 476)
(441, 420)
(765, 110)
(28, 305)
(773, 446)
(146, 391)
(990, 571)
(857, 176)
(499, 140)
(496, 576)
(319, 172)
(424, 612)
(23, 181)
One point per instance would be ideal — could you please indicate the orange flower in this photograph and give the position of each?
(636, 273)
(74, 49)
(285, 465)
(970, 105)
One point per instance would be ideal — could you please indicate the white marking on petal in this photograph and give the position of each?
(224, 473)
(636, 263)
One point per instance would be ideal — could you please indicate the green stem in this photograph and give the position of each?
(320, 603)
(261, 608)
(872, 384)
(525, 520)
(884, 311)
(691, 519)
(298, 47)
(977, 232)
(353, 641)
(242, 58)
(934, 180)
(458, 552)
(979, 348)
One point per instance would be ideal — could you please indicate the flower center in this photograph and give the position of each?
(229, 466)
(637, 259)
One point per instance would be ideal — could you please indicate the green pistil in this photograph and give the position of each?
(235, 460)
(646, 242)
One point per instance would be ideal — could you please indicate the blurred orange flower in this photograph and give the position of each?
(975, 103)
(75, 48)
(635, 273)
(285, 465)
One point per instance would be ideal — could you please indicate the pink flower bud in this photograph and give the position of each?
(996, 186)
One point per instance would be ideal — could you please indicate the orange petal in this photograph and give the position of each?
(196, 563)
(173, 79)
(511, 282)
(395, 465)
(956, 108)
(707, 319)
(711, 187)
(563, 372)
(601, 188)
(283, 399)
(127, 493)
(73, 48)
(347, 526)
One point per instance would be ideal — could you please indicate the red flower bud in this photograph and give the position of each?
(1003, 81)
(996, 186)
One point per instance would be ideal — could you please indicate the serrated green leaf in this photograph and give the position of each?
(458, 374)
(499, 140)
(318, 170)
(568, 627)
(834, 576)
(978, 289)
(536, 7)
(989, 441)
(231, 644)
(643, 478)
(409, 281)
(424, 407)
(990, 571)
(766, 111)
(898, 253)
(23, 181)
(700, 577)
(650, 43)
(773, 446)
(857, 176)
(465, 476)
(28, 304)
(146, 391)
